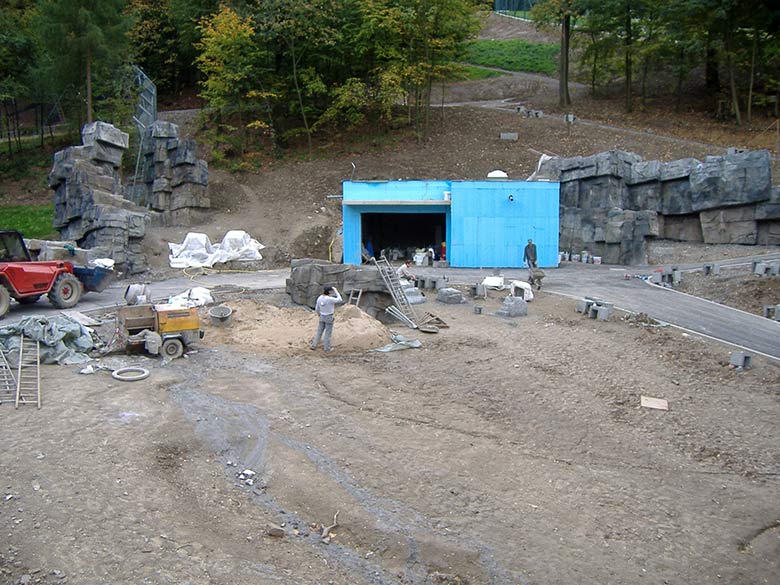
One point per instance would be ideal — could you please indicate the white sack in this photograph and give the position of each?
(194, 297)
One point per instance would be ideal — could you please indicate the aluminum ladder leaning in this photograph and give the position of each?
(403, 310)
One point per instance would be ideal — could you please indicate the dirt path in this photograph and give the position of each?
(503, 451)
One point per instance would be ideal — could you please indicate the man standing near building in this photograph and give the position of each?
(325, 308)
(529, 254)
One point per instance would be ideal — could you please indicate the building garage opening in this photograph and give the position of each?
(402, 235)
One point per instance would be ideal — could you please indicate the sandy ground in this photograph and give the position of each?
(502, 451)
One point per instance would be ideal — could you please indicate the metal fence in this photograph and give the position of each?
(517, 8)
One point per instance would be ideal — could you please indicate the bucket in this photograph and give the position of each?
(220, 315)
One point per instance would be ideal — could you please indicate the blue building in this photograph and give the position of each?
(481, 223)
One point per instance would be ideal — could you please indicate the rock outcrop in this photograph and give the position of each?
(93, 207)
(88, 204)
(175, 181)
(613, 201)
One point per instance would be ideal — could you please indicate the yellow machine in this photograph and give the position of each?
(159, 328)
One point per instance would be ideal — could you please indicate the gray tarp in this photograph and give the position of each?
(399, 342)
(63, 340)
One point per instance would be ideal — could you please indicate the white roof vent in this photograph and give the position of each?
(497, 175)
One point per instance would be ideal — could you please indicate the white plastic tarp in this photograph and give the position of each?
(527, 291)
(194, 297)
(197, 251)
(494, 282)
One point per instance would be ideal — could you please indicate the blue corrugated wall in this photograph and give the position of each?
(490, 230)
(485, 227)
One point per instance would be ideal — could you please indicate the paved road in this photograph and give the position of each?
(754, 333)
(751, 332)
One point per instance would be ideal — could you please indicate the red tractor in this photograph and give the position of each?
(27, 281)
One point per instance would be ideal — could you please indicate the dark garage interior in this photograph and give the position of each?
(403, 233)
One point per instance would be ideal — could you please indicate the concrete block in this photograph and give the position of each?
(740, 359)
(603, 313)
(450, 296)
(761, 268)
(508, 136)
(513, 307)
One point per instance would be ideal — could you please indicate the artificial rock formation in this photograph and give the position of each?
(93, 208)
(309, 276)
(612, 201)
(175, 181)
(88, 204)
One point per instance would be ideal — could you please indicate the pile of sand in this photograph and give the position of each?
(256, 326)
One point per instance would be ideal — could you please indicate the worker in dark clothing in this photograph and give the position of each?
(529, 254)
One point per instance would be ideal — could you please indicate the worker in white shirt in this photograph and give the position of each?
(404, 272)
(325, 308)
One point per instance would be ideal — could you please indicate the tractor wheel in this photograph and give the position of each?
(5, 300)
(28, 300)
(66, 291)
(172, 348)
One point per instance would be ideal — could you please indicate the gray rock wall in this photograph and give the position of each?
(88, 206)
(613, 201)
(308, 277)
(92, 206)
(175, 181)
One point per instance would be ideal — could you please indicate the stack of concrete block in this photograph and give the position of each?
(595, 308)
(175, 181)
(613, 201)
(88, 207)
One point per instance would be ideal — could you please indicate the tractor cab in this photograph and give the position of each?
(12, 248)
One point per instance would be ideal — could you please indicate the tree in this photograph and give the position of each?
(17, 57)
(416, 42)
(84, 39)
(300, 29)
(230, 61)
(156, 41)
(563, 14)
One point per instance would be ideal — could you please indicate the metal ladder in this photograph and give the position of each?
(28, 376)
(7, 380)
(404, 310)
(354, 297)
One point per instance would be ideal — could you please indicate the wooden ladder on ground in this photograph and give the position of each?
(7, 380)
(404, 311)
(28, 376)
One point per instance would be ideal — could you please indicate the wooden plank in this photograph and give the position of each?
(656, 403)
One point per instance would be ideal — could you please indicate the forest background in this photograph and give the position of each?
(273, 77)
